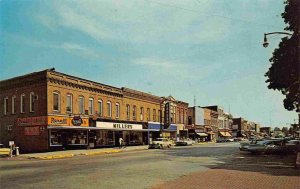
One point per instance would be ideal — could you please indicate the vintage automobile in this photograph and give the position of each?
(160, 143)
(273, 146)
(186, 142)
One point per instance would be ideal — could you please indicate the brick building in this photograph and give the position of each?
(49, 110)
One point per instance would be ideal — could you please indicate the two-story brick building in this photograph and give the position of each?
(49, 110)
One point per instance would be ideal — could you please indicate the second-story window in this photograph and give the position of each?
(134, 113)
(81, 105)
(142, 113)
(5, 108)
(148, 114)
(91, 106)
(13, 104)
(128, 111)
(22, 103)
(117, 110)
(32, 102)
(108, 109)
(56, 101)
(100, 107)
(154, 114)
(159, 115)
(69, 107)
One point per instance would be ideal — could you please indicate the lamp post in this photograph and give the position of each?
(265, 44)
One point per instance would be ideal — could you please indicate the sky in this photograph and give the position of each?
(208, 50)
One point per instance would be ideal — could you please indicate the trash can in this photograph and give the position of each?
(17, 151)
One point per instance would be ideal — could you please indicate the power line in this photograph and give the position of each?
(221, 16)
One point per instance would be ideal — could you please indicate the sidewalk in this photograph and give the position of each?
(83, 152)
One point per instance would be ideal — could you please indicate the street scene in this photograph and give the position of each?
(210, 165)
(156, 94)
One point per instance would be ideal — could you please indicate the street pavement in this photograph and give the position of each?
(199, 166)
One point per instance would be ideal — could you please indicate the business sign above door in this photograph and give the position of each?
(67, 121)
(118, 126)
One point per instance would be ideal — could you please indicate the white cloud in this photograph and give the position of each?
(140, 21)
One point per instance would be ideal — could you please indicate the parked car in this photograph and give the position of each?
(275, 146)
(160, 143)
(186, 142)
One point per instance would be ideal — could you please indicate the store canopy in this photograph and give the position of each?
(202, 134)
(225, 134)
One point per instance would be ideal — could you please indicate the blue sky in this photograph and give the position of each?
(208, 49)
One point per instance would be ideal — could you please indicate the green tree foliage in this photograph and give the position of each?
(284, 73)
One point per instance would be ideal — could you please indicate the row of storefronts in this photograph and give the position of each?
(64, 132)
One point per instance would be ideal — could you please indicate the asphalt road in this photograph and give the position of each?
(134, 170)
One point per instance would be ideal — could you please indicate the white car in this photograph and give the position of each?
(186, 142)
(160, 143)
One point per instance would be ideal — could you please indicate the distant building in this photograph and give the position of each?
(265, 131)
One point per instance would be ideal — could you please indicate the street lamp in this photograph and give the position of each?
(265, 44)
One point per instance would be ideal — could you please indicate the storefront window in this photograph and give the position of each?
(132, 138)
(77, 137)
(104, 138)
(55, 138)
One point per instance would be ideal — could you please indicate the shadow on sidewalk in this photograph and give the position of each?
(230, 158)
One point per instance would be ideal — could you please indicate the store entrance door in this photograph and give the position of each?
(118, 134)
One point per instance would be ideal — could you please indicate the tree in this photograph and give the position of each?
(284, 73)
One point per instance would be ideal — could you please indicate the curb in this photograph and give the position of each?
(100, 153)
(51, 157)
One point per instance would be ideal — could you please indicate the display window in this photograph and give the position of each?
(55, 138)
(77, 138)
(104, 138)
(133, 138)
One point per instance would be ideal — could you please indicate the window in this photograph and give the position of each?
(69, 103)
(134, 113)
(154, 114)
(22, 105)
(13, 105)
(128, 111)
(100, 107)
(91, 106)
(108, 109)
(56, 101)
(117, 110)
(142, 113)
(31, 104)
(81, 105)
(148, 114)
(5, 106)
(190, 120)
(159, 116)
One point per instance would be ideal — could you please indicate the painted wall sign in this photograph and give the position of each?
(32, 121)
(32, 131)
(119, 126)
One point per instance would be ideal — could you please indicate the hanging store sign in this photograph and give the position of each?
(119, 126)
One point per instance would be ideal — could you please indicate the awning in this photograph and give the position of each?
(155, 126)
(225, 134)
(202, 134)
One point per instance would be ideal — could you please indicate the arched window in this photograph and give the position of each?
(22, 103)
(117, 110)
(142, 113)
(56, 101)
(31, 104)
(81, 104)
(134, 113)
(69, 107)
(128, 111)
(108, 109)
(13, 104)
(5, 108)
(100, 107)
(91, 106)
